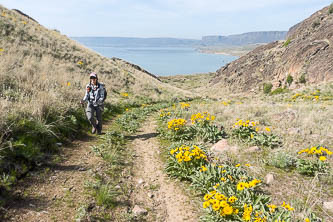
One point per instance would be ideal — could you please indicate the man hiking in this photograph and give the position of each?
(95, 96)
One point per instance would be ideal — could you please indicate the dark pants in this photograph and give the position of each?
(90, 112)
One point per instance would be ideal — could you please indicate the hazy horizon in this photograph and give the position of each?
(184, 19)
(168, 37)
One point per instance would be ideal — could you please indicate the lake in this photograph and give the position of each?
(164, 61)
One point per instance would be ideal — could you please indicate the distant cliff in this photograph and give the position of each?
(306, 55)
(245, 38)
(231, 40)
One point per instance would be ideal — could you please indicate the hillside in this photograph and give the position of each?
(306, 56)
(43, 75)
(24, 42)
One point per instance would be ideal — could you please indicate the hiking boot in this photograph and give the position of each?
(93, 131)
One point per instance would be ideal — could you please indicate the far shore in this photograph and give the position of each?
(229, 51)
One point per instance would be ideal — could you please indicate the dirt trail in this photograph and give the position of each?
(55, 192)
(165, 201)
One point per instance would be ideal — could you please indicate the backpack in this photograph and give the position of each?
(105, 92)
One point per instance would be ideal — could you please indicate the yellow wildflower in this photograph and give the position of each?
(322, 158)
(232, 199)
(227, 210)
(224, 203)
(203, 169)
(206, 204)
(216, 207)
(241, 186)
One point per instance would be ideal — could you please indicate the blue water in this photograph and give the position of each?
(166, 61)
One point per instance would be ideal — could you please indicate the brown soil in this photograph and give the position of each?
(55, 192)
(154, 191)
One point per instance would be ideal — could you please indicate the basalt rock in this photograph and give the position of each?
(307, 51)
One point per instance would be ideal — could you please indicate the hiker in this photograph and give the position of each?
(95, 96)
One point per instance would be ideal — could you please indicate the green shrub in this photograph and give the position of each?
(315, 24)
(282, 160)
(330, 10)
(289, 80)
(311, 167)
(286, 43)
(302, 79)
(279, 91)
(268, 88)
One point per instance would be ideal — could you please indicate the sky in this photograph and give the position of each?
(166, 18)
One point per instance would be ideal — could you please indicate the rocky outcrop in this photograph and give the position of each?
(307, 51)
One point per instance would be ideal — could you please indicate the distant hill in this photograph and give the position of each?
(306, 55)
(231, 40)
(136, 42)
(245, 38)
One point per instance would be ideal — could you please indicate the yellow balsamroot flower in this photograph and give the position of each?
(203, 169)
(1, 50)
(248, 165)
(187, 159)
(124, 94)
(247, 212)
(214, 201)
(80, 63)
(241, 186)
(287, 206)
(272, 207)
(212, 192)
(322, 158)
(238, 165)
(219, 196)
(227, 210)
(224, 203)
(216, 207)
(236, 211)
(206, 204)
(184, 105)
(253, 183)
(207, 196)
(232, 199)
(257, 129)
(267, 129)
(306, 220)
(223, 179)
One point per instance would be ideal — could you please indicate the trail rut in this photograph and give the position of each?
(163, 198)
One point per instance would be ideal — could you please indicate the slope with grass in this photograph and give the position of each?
(42, 79)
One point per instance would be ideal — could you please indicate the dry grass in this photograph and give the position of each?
(41, 70)
(300, 124)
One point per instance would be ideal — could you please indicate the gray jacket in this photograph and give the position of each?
(96, 95)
